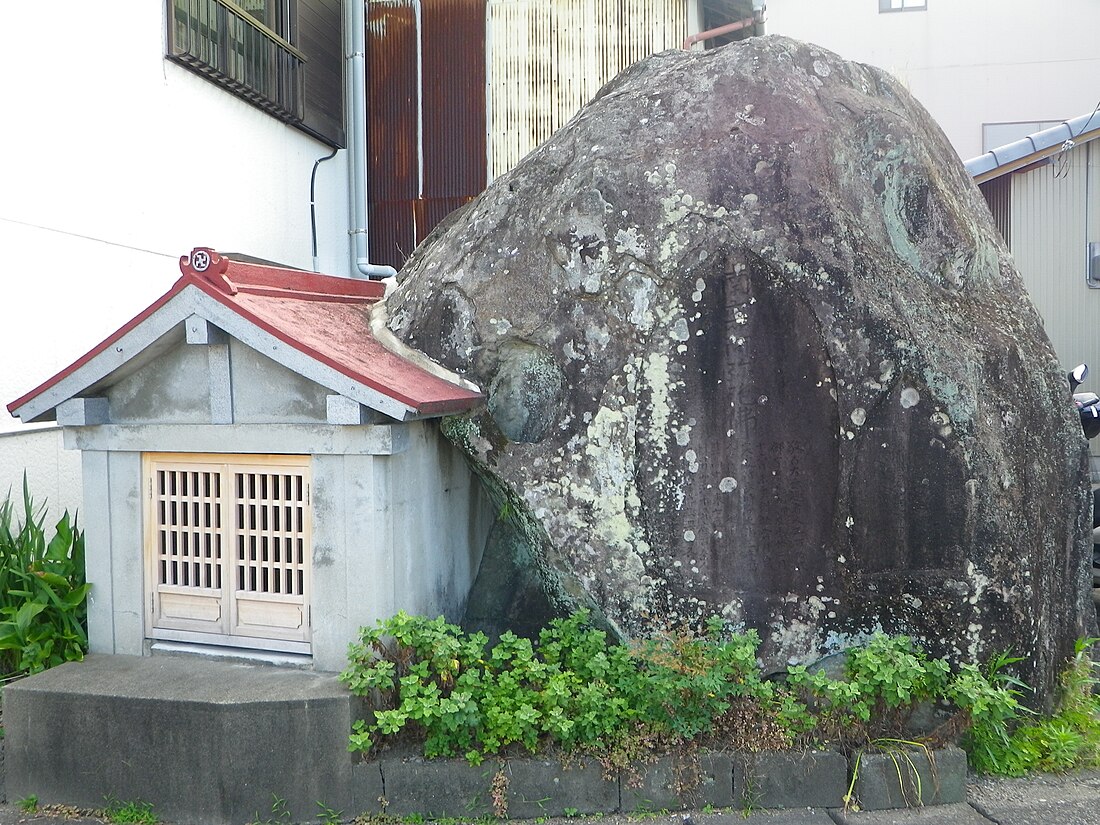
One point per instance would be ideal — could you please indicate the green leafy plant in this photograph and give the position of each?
(28, 804)
(129, 813)
(570, 689)
(328, 815)
(43, 593)
(885, 681)
(1006, 739)
(280, 812)
(991, 702)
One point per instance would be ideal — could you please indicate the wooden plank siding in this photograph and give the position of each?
(998, 197)
(1048, 238)
(453, 82)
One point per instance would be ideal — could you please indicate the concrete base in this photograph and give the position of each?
(205, 742)
(438, 788)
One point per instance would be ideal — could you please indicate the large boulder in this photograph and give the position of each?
(752, 346)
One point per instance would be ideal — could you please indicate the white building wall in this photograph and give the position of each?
(53, 474)
(113, 163)
(968, 61)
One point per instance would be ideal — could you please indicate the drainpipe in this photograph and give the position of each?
(760, 12)
(757, 19)
(355, 24)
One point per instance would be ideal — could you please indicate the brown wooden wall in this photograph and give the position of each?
(412, 187)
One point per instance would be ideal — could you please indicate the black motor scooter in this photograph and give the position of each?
(1088, 407)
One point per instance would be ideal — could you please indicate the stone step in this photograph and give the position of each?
(208, 742)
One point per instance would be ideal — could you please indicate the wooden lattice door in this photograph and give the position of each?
(228, 549)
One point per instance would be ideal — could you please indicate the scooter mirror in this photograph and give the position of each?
(1078, 374)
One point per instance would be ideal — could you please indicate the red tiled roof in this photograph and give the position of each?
(324, 318)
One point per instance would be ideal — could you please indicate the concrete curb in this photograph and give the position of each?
(530, 788)
(533, 788)
(910, 778)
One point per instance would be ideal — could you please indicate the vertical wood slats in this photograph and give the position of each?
(270, 532)
(998, 197)
(453, 72)
(1048, 235)
(189, 542)
(548, 58)
(320, 36)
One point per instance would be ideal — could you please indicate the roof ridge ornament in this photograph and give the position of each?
(204, 262)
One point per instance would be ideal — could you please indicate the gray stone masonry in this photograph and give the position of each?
(910, 778)
(810, 779)
(437, 788)
(368, 794)
(546, 787)
(678, 783)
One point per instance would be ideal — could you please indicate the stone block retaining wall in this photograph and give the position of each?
(532, 788)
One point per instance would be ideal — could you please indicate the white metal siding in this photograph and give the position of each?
(1048, 242)
(547, 58)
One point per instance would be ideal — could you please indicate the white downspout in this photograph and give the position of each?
(355, 24)
(760, 11)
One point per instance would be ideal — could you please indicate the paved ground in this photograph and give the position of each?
(1073, 799)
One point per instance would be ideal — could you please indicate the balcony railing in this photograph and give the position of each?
(233, 49)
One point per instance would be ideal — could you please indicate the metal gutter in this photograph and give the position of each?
(355, 26)
(1034, 147)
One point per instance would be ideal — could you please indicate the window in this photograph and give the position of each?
(228, 549)
(902, 5)
(284, 56)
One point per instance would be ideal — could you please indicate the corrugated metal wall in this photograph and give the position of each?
(454, 108)
(1048, 242)
(547, 58)
(393, 130)
(998, 196)
(425, 117)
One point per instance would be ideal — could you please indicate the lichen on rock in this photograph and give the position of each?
(752, 346)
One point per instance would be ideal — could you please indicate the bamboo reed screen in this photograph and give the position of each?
(547, 58)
